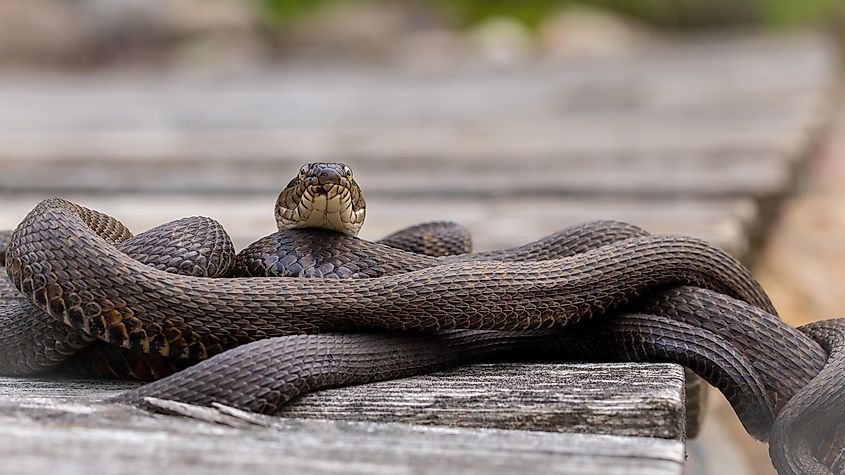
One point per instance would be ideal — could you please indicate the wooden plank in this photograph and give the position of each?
(768, 99)
(494, 223)
(82, 109)
(107, 446)
(626, 399)
(667, 79)
(440, 174)
(148, 101)
(84, 112)
(646, 400)
(241, 104)
(470, 141)
(50, 423)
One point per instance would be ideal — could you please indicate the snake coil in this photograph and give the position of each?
(163, 304)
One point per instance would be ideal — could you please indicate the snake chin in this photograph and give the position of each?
(323, 196)
(327, 207)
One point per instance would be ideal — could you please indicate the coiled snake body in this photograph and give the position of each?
(100, 301)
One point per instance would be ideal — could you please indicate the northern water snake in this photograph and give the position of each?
(658, 298)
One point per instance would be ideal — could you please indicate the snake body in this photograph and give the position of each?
(603, 291)
(149, 310)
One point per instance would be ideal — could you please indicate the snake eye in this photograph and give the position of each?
(347, 171)
(303, 171)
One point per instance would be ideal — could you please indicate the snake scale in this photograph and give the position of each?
(313, 306)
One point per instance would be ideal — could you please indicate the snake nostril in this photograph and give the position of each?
(328, 176)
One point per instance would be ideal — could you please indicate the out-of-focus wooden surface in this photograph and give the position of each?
(803, 265)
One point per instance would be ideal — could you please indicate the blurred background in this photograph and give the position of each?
(713, 118)
(216, 34)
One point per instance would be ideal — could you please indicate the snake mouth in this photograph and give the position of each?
(326, 189)
(322, 196)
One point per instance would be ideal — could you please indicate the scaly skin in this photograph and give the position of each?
(620, 294)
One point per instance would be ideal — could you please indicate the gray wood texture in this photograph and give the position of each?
(698, 137)
(624, 399)
(56, 426)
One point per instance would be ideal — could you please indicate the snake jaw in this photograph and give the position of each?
(324, 196)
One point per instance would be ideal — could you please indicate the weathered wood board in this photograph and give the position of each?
(707, 174)
(630, 399)
(124, 443)
(56, 424)
(624, 399)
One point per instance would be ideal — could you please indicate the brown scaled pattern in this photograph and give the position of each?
(708, 313)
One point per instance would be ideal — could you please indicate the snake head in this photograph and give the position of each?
(322, 195)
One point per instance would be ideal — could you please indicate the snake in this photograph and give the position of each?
(313, 306)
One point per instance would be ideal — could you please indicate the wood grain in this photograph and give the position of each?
(58, 424)
(624, 399)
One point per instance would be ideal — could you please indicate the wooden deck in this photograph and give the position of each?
(700, 137)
